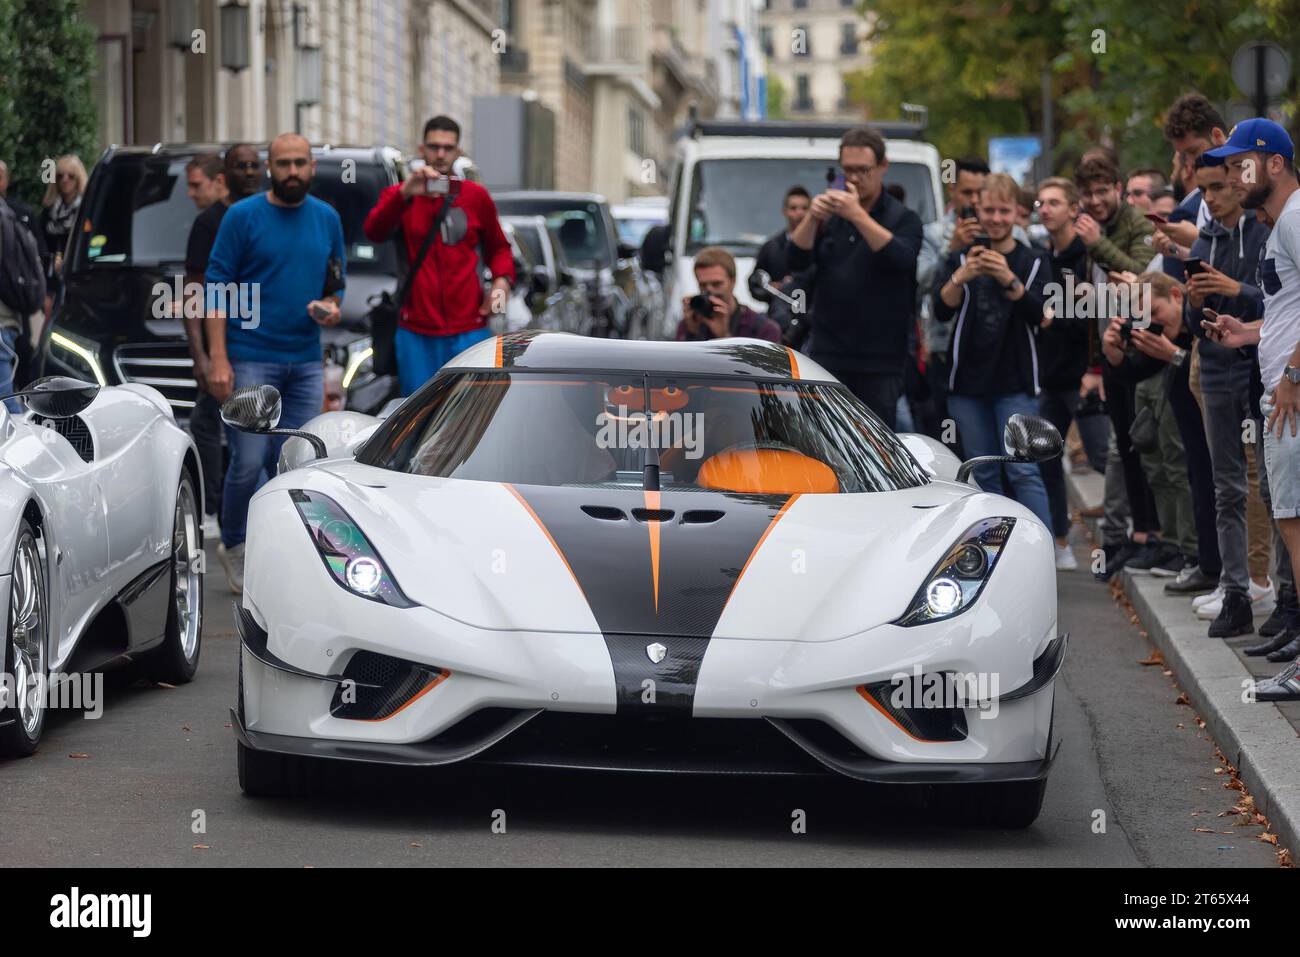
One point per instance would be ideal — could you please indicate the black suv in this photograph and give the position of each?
(128, 246)
(616, 287)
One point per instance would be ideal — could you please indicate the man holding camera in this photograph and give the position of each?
(446, 311)
(716, 313)
(864, 244)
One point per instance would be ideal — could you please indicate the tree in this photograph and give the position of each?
(775, 97)
(9, 67)
(53, 99)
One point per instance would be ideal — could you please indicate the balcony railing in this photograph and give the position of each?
(617, 45)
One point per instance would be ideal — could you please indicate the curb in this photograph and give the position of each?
(1255, 737)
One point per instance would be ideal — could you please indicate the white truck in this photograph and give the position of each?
(729, 178)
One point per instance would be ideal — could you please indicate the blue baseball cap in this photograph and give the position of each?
(1253, 135)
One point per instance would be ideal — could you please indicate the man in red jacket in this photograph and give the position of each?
(446, 311)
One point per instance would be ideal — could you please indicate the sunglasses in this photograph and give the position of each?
(249, 166)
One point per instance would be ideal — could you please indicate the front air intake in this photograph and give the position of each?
(381, 686)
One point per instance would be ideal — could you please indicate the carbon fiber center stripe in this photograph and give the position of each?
(613, 563)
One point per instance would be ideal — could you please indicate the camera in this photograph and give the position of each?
(701, 305)
(1126, 330)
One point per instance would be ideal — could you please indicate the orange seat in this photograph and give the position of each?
(767, 471)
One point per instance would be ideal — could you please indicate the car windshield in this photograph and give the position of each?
(580, 225)
(593, 429)
(632, 229)
(736, 203)
(139, 214)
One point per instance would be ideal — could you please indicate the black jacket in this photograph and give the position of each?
(864, 302)
(995, 345)
(772, 258)
(1063, 347)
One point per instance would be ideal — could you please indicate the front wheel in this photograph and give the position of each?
(176, 661)
(26, 652)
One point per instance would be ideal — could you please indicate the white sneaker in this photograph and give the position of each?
(1215, 596)
(1263, 598)
(1210, 610)
(232, 560)
(210, 527)
(1065, 560)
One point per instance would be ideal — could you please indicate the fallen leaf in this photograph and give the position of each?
(78, 754)
(163, 684)
(1156, 658)
(1183, 699)
(1179, 726)
(1220, 771)
(1284, 857)
(415, 844)
(202, 847)
(1167, 673)
(1269, 838)
(1203, 830)
(186, 727)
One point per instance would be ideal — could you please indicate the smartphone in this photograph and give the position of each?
(967, 212)
(318, 311)
(1194, 267)
(983, 240)
(1157, 218)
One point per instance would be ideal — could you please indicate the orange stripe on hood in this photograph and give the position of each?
(652, 500)
(545, 531)
(759, 544)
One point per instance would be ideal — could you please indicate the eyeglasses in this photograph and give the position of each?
(858, 171)
(248, 166)
(1098, 193)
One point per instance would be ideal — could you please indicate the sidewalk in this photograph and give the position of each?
(1260, 739)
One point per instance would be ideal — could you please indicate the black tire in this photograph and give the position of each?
(1010, 804)
(176, 661)
(17, 739)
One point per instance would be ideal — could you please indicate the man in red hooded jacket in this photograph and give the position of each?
(446, 311)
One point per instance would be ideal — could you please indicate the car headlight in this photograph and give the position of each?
(80, 356)
(345, 550)
(360, 360)
(956, 582)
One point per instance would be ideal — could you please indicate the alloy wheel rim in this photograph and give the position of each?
(27, 633)
(188, 581)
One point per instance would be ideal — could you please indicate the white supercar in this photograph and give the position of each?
(101, 545)
(645, 556)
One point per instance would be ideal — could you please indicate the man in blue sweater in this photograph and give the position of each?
(274, 278)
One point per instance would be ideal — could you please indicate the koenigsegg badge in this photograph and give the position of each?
(656, 652)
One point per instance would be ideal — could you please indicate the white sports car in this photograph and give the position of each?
(100, 545)
(684, 557)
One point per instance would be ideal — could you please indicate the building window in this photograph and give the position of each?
(635, 131)
(765, 40)
(802, 94)
(849, 39)
(801, 4)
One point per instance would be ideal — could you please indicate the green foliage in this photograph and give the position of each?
(9, 67)
(1116, 66)
(53, 104)
(775, 98)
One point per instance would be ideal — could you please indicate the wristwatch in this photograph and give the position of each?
(1013, 285)
(1292, 375)
(1180, 356)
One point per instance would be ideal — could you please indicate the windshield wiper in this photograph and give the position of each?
(650, 454)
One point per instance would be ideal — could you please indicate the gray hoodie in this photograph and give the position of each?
(1234, 253)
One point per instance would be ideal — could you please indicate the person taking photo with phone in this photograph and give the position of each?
(444, 221)
(994, 291)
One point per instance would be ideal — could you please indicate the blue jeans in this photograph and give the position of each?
(419, 357)
(980, 422)
(253, 457)
(8, 363)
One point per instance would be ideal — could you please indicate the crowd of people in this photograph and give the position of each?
(1153, 318)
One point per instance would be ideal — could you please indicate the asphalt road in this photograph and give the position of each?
(128, 789)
